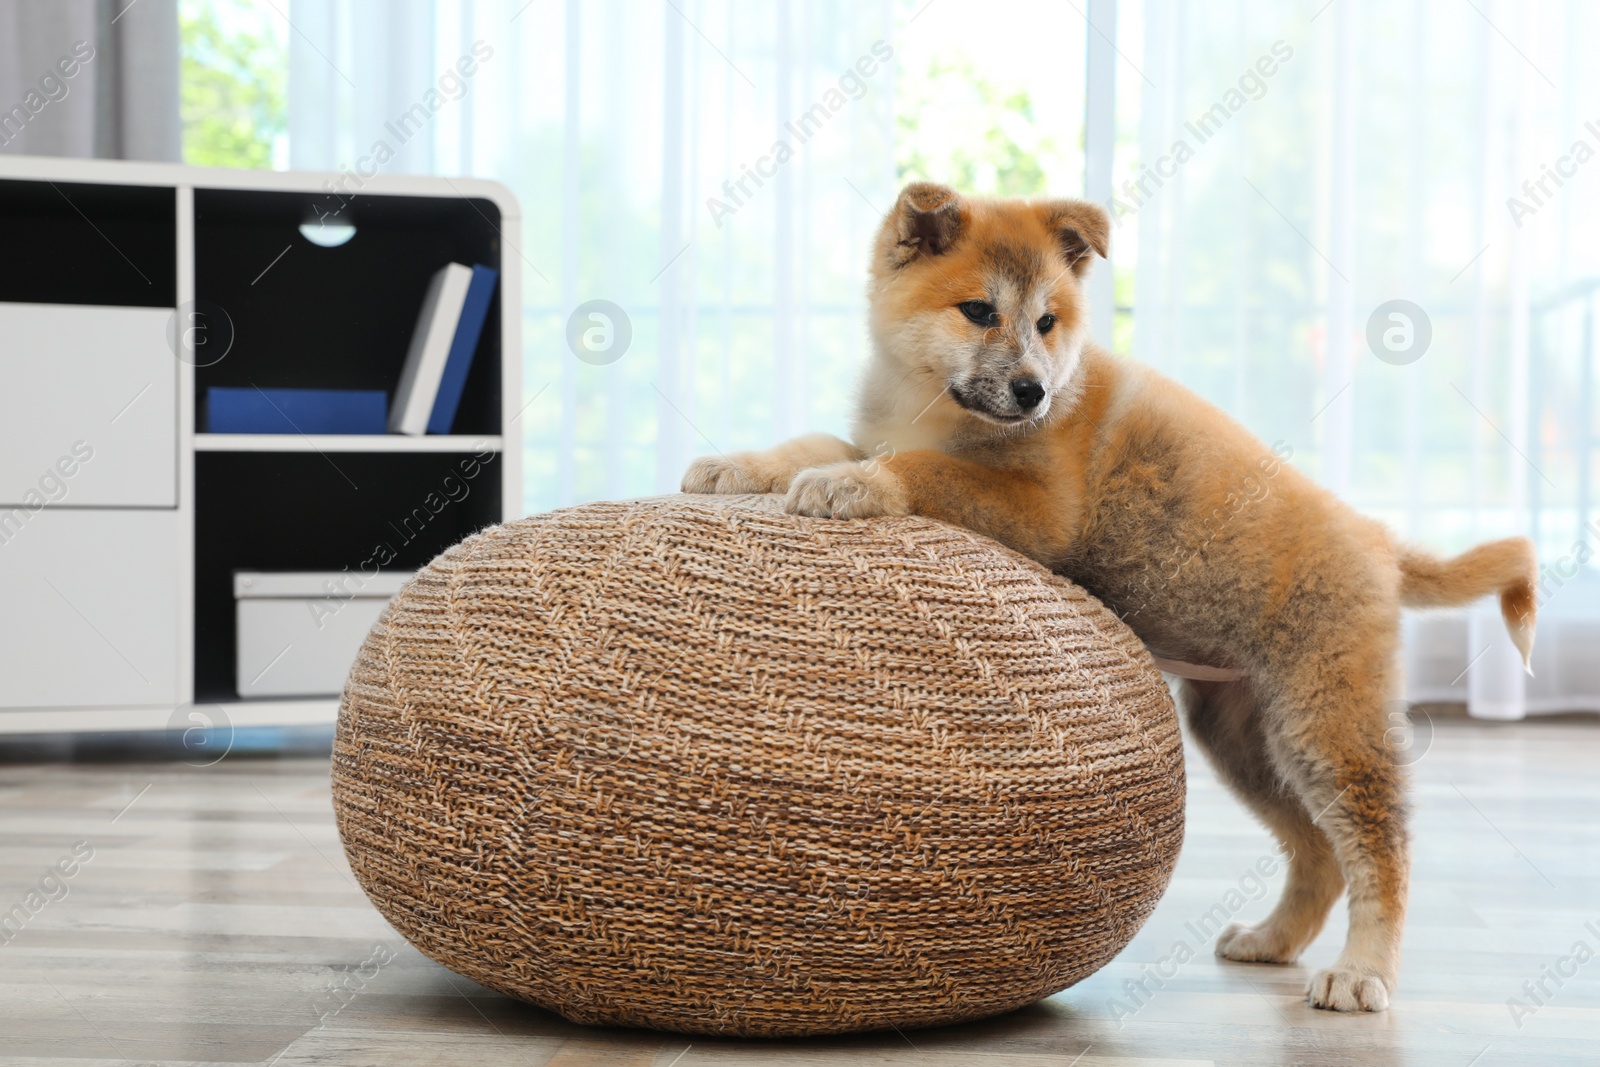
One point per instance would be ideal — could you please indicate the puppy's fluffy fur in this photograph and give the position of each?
(1211, 547)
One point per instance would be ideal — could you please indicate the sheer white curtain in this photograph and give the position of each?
(1282, 170)
(1302, 166)
(713, 169)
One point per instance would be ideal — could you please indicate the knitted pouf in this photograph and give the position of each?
(694, 764)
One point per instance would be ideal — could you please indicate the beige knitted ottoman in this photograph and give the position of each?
(694, 764)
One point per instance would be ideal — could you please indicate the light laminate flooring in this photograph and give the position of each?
(217, 916)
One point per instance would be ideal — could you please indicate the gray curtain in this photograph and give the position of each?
(90, 78)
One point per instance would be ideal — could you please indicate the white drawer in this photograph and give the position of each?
(88, 607)
(88, 406)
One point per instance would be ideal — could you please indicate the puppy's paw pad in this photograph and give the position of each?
(848, 490)
(721, 474)
(1253, 944)
(1340, 989)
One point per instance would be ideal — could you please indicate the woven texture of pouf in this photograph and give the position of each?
(694, 764)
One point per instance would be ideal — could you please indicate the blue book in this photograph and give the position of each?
(469, 327)
(252, 410)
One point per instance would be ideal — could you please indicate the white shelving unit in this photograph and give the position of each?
(115, 577)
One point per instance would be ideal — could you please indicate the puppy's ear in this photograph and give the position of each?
(924, 221)
(1081, 227)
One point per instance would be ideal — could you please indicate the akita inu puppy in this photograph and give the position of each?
(984, 404)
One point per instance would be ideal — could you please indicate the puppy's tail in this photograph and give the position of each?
(1507, 567)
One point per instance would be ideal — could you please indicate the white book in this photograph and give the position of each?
(430, 350)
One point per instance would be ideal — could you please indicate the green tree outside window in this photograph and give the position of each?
(235, 94)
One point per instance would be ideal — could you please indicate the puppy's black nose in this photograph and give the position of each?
(1028, 393)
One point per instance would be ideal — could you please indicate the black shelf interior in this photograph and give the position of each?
(305, 316)
(67, 243)
(303, 511)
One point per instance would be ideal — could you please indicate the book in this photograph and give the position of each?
(474, 310)
(430, 350)
(248, 409)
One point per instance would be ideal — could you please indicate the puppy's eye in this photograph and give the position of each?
(1046, 322)
(980, 312)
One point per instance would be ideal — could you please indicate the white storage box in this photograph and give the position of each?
(299, 632)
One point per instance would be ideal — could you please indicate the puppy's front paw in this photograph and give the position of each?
(1254, 944)
(850, 490)
(737, 473)
(1347, 989)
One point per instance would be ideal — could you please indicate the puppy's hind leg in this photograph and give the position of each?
(1224, 719)
(768, 471)
(1327, 737)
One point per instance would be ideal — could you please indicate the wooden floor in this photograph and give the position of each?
(216, 918)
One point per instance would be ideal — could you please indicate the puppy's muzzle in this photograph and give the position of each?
(1017, 400)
